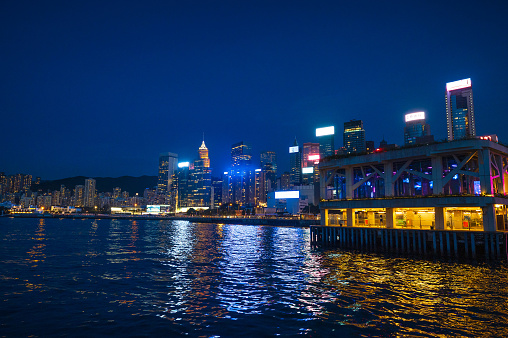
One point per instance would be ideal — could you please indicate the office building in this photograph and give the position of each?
(241, 154)
(167, 166)
(310, 162)
(295, 164)
(354, 137)
(326, 141)
(269, 166)
(460, 110)
(416, 130)
(203, 154)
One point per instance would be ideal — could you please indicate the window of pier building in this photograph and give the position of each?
(414, 218)
(373, 184)
(337, 217)
(461, 183)
(463, 218)
(415, 178)
(370, 217)
(501, 216)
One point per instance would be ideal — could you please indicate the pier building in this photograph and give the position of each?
(458, 186)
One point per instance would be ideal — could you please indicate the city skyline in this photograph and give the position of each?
(105, 99)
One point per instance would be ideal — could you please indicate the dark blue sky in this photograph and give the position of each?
(100, 88)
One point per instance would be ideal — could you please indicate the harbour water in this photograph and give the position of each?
(64, 277)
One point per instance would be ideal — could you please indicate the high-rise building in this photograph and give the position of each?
(241, 154)
(269, 167)
(354, 137)
(203, 154)
(167, 167)
(416, 130)
(90, 193)
(295, 164)
(79, 196)
(200, 178)
(326, 141)
(310, 162)
(460, 110)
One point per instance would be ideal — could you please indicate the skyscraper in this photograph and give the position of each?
(354, 137)
(310, 162)
(416, 129)
(167, 166)
(241, 154)
(269, 167)
(90, 194)
(326, 141)
(295, 164)
(460, 110)
(203, 154)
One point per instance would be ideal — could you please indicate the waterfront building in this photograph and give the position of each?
(417, 129)
(167, 166)
(460, 121)
(295, 164)
(241, 154)
(326, 141)
(458, 185)
(354, 137)
(90, 193)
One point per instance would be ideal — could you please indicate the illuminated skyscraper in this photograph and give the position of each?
(310, 162)
(241, 154)
(354, 137)
(203, 154)
(416, 129)
(269, 167)
(326, 141)
(295, 164)
(460, 110)
(79, 193)
(90, 193)
(167, 166)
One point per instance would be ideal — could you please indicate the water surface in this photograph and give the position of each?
(146, 278)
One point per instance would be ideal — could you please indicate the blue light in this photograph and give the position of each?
(368, 183)
(431, 183)
(406, 180)
(456, 176)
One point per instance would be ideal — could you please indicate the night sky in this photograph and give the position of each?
(100, 88)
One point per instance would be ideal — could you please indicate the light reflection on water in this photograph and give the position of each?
(91, 277)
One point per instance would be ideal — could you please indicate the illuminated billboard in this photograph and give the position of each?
(325, 131)
(183, 165)
(293, 149)
(257, 170)
(153, 209)
(225, 173)
(287, 194)
(308, 170)
(415, 116)
(314, 157)
(458, 84)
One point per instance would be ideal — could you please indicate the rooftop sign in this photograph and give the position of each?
(183, 164)
(293, 149)
(458, 84)
(325, 131)
(415, 116)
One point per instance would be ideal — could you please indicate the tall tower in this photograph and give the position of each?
(354, 137)
(89, 193)
(416, 129)
(295, 164)
(326, 143)
(167, 166)
(269, 167)
(241, 154)
(203, 154)
(460, 122)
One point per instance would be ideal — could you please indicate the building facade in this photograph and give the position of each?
(295, 164)
(354, 137)
(416, 129)
(460, 110)
(459, 185)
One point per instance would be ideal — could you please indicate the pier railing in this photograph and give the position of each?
(437, 243)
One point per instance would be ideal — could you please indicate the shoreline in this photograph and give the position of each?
(225, 220)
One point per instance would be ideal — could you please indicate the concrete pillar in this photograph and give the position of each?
(484, 171)
(389, 186)
(389, 217)
(322, 184)
(350, 217)
(489, 218)
(324, 217)
(439, 218)
(349, 182)
(437, 175)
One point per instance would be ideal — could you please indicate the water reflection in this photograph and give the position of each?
(177, 277)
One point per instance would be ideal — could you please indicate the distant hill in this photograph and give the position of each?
(104, 184)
